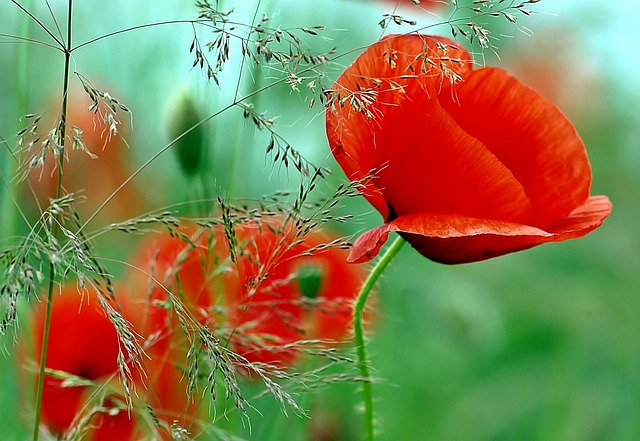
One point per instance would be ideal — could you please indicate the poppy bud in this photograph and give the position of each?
(189, 148)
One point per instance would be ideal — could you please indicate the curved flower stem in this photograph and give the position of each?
(358, 311)
(52, 272)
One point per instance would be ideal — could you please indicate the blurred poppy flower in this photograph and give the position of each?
(288, 289)
(173, 263)
(172, 270)
(429, 5)
(162, 381)
(465, 164)
(95, 173)
(84, 343)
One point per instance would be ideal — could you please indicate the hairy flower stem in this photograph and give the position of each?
(358, 311)
(55, 231)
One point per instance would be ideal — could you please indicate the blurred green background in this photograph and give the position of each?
(538, 345)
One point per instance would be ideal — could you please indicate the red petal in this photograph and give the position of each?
(109, 427)
(529, 135)
(400, 68)
(368, 245)
(77, 323)
(454, 239)
(437, 167)
(583, 219)
(451, 239)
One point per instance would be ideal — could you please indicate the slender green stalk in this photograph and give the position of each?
(43, 353)
(52, 272)
(10, 215)
(358, 311)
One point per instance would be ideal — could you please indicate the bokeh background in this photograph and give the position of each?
(538, 345)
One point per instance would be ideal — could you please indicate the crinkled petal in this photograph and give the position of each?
(452, 239)
(434, 166)
(368, 245)
(389, 71)
(529, 135)
(583, 219)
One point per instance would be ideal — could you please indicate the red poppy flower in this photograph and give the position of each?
(429, 5)
(91, 176)
(465, 164)
(286, 290)
(162, 383)
(82, 342)
(167, 263)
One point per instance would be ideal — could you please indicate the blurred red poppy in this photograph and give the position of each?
(92, 176)
(429, 5)
(554, 65)
(288, 289)
(465, 164)
(176, 264)
(82, 342)
(162, 382)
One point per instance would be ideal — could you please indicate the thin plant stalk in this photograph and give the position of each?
(52, 272)
(9, 214)
(43, 353)
(358, 312)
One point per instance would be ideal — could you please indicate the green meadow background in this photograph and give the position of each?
(539, 345)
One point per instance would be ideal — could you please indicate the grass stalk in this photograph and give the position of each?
(55, 232)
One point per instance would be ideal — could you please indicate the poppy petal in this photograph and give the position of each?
(368, 245)
(529, 135)
(443, 230)
(448, 238)
(583, 219)
(438, 167)
(404, 65)
(451, 239)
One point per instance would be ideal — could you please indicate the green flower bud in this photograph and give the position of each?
(190, 148)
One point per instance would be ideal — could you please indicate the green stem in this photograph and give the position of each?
(52, 273)
(10, 215)
(43, 353)
(358, 311)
